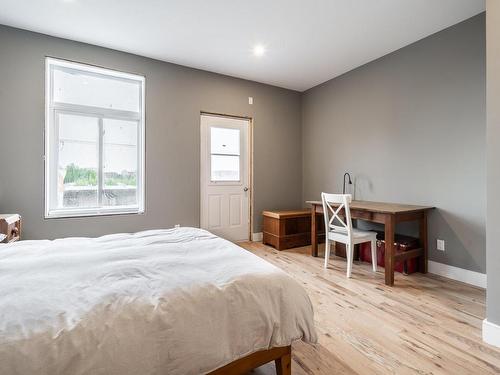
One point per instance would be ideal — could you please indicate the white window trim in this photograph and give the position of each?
(52, 107)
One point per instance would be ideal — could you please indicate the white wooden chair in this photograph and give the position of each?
(336, 230)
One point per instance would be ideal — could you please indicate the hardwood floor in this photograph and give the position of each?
(425, 324)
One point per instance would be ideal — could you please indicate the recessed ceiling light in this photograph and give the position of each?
(259, 50)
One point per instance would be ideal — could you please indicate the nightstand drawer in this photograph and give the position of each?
(10, 225)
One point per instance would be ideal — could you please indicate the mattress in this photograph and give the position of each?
(176, 301)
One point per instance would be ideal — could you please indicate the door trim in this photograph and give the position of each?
(250, 164)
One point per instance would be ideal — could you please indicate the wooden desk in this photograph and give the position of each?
(388, 214)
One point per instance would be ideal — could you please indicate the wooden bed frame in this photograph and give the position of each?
(281, 356)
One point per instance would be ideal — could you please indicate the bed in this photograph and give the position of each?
(175, 301)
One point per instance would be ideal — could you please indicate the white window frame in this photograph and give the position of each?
(52, 109)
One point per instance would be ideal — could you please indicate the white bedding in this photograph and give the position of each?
(178, 301)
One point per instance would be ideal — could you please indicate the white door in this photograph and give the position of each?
(225, 194)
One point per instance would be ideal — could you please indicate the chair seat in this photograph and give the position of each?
(358, 236)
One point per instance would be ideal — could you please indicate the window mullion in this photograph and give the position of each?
(96, 111)
(218, 154)
(100, 179)
(54, 161)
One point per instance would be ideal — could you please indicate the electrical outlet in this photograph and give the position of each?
(177, 225)
(440, 245)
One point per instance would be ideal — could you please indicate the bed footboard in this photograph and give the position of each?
(282, 357)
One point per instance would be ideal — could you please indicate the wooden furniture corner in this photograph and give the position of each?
(10, 226)
(282, 357)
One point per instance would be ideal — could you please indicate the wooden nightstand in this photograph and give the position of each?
(10, 225)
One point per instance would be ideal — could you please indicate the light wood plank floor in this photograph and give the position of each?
(423, 325)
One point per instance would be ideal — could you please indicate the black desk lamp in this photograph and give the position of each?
(350, 182)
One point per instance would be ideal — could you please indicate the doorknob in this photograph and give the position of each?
(245, 189)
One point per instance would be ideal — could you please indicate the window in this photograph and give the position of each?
(224, 154)
(94, 141)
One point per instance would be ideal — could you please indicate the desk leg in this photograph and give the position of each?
(423, 243)
(314, 232)
(390, 224)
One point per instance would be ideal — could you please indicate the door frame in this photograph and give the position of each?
(250, 164)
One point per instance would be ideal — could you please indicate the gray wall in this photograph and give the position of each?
(410, 127)
(416, 118)
(175, 96)
(493, 160)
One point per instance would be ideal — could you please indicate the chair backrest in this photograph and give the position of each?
(332, 207)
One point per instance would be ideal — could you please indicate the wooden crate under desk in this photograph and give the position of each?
(287, 229)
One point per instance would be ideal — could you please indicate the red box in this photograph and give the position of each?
(401, 243)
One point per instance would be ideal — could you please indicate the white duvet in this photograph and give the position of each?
(178, 301)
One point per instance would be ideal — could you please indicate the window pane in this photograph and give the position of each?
(225, 141)
(78, 161)
(79, 87)
(225, 168)
(120, 163)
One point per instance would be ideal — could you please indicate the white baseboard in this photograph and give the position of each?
(257, 237)
(459, 274)
(491, 333)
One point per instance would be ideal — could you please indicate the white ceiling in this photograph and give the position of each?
(307, 41)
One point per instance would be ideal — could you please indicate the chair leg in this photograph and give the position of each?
(350, 258)
(327, 252)
(374, 255)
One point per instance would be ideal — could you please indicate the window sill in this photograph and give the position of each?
(67, 214)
